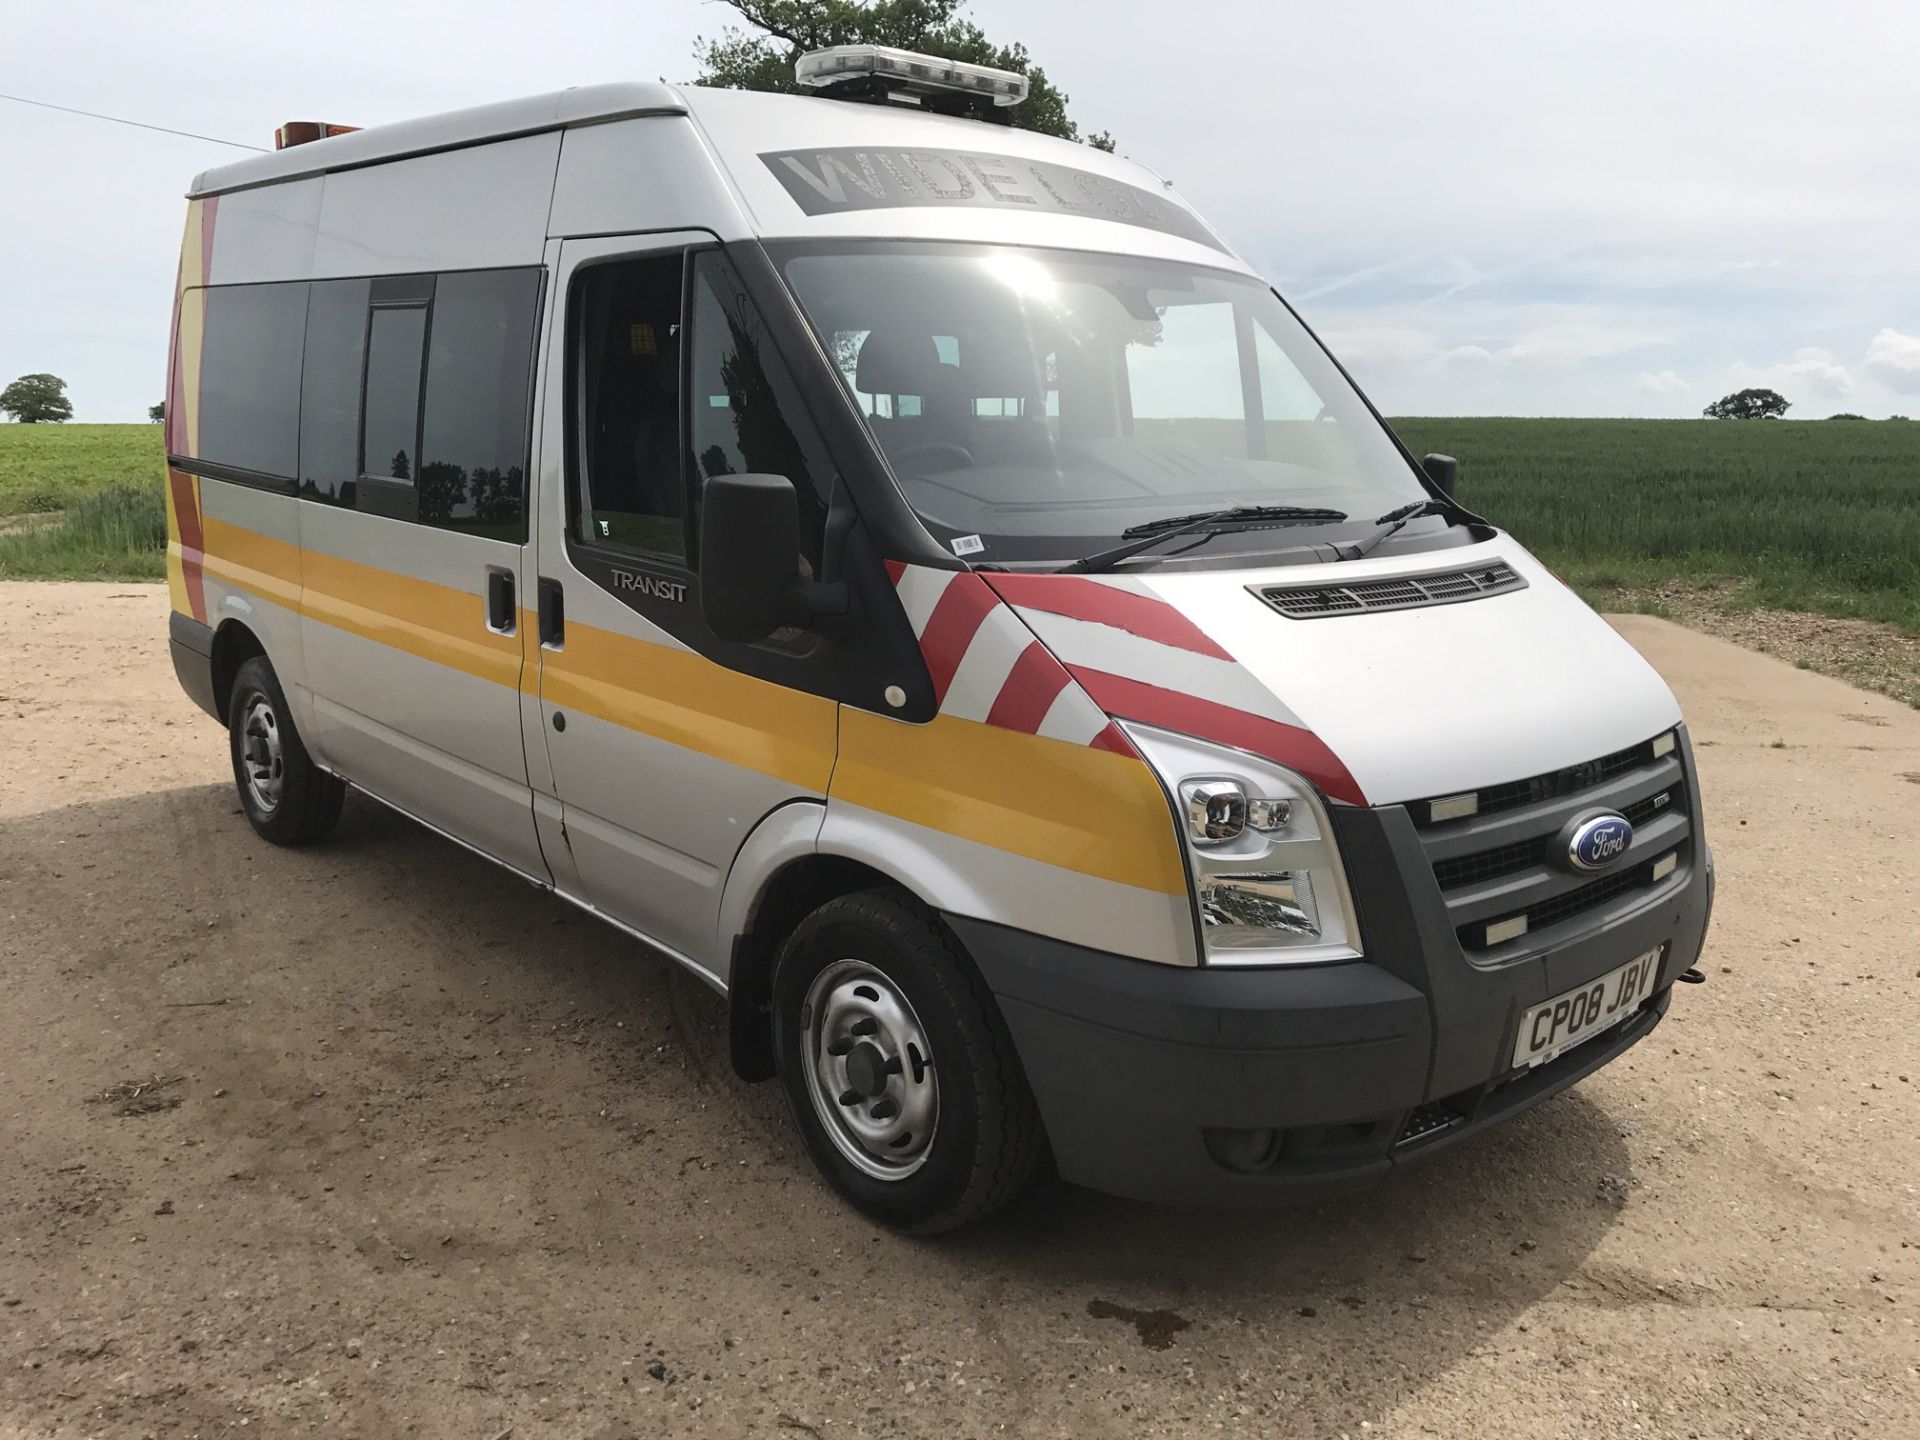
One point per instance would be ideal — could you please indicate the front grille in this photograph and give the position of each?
(1569, 781)
(1399, 592)
(1517, 855)
(1493, 851)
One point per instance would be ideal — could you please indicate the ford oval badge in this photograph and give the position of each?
(1598, 841)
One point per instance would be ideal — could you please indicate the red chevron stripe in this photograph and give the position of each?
(1031, 687)
(1115, 739)
(1287, 745)
(1083, 599)
(957, 616)
(895, 569)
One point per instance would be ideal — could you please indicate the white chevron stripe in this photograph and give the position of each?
(1073, 717)
(1119, 652)
(984, 668)
(920, 589)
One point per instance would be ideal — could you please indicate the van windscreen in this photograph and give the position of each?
(1034, 404)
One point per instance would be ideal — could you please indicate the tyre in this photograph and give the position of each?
(898, 1068)
(288, 799)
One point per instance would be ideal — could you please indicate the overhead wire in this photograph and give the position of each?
(136, 124)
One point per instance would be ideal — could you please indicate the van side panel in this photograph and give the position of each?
(641, 176)
(266, 234)
(414, 697)
(466, 209)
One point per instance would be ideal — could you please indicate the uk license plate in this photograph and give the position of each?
(1555, 1026)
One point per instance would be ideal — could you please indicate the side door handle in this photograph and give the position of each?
(553, 613)
(502, 618)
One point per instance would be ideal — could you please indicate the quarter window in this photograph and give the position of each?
(330, 390)
(250, 377)
(473, 441)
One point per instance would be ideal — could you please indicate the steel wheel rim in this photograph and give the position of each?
(869, 1070)
(262, 755)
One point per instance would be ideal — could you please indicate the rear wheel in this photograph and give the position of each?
(288, 799)
(898, 1068)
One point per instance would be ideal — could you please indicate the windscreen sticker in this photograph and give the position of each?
(828, 182)
(968, 544)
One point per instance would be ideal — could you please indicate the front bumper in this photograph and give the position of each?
(1143, 1071)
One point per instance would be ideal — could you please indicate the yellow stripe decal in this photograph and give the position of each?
(1081, 808)
(688, 700)
(670, 694)
(1084, 809)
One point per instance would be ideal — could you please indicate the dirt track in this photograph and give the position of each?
(442, 1157)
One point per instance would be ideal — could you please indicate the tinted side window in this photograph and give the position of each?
(250, 377)
(632, 495)
(473, 442)
(389, 436)
(745, 415)
(330, 390)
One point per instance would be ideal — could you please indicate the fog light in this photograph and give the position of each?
(1248, 1151)
(1244, 901)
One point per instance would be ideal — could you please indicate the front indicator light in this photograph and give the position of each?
(1243, 908)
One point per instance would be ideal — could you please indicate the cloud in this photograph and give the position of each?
(1894, 360)
(1812, 371)
(1664, 382)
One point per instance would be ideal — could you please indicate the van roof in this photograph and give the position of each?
(450, 130)
(809, 167)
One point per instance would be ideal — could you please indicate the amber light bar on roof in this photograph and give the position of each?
(301, 132)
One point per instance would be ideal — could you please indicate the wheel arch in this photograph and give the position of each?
(798, 858)
(234, 643)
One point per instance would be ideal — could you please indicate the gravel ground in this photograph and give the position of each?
(370, 1140)
(1863, 652)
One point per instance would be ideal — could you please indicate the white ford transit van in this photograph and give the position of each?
(913, 573)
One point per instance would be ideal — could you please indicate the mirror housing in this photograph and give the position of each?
(750, 581)
(1443, 471)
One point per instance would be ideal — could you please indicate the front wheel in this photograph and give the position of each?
(288, 799)
(898, 1068)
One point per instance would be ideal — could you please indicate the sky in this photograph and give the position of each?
(1485, 207)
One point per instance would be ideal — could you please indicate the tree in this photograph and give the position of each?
(788, 29)
(35, 398)
(157, 413)
(1845, 415)
(1748, 405)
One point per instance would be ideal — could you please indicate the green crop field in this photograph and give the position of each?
(1820, 515)
(1817, 515)
(48, 467)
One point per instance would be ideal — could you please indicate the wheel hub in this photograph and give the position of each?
(263, 759)
(869, 1069)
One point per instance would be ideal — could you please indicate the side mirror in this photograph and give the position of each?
(1442, 470)
(749, 555)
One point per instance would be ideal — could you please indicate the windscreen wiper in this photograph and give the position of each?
(1149, 533)
(1391, 523)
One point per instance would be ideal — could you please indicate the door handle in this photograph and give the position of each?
(553, 613)
(501, 616)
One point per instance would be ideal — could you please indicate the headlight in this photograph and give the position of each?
(1269, 886)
